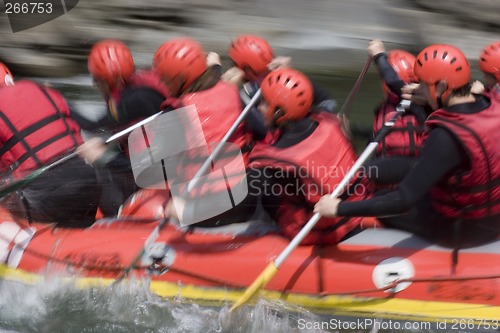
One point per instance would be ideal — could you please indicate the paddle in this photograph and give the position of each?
(344, 110)
(271, 270)
(192, 183)
(220, 146)
(35, 174)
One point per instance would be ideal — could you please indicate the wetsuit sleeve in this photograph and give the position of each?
(117, 162)
(217, 69)
(254, 121)
(388, 74)
(441, 155)
(420, 112)
(323, 100)
(389, 169)
(137, 103)
(88, 124)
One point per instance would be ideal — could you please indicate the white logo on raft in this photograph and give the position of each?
(391, 270)
(13, 242)
(161, 151)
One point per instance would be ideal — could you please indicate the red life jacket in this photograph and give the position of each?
(217, 109)
(473, 192)
(319, 162)
(494, 94)
(35, 127)
(405, 137)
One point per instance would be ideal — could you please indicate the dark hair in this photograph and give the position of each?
(462, 91)
(206, 81)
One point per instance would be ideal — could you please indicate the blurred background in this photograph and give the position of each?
(325, 38)
(320, 35)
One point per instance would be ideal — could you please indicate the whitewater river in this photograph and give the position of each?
(58, 307)
(53, 307)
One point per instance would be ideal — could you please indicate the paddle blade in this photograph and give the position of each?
(267, 274)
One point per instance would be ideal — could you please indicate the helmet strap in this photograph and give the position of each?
(277, 114)
(183, 87)
(439, 102)
(112, 109)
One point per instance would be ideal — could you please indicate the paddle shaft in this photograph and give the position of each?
(271, 269)
(344, 110)
(133, 127)
(156, 232)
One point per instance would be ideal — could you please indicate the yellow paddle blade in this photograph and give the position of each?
(267, 274)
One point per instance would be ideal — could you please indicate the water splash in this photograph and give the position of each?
(267, 316)
(58, 306)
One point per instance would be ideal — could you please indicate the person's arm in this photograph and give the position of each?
(255, 124)
(138, 103)
(117, 162)
(389, 169)
(323, 100)
(218, 70)
(388, 74)
(254, 121)
(214, 63)
(441, 155)
(420, 112)
(88, 124)
(97, 153)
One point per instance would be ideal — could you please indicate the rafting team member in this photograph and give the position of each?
(253, 58)
(182, 65)
(402, 145)
(307, 158)
(489, 64)
(131, 95)
(36, 129)
(459, 166)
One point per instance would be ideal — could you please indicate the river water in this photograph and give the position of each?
(53, 306)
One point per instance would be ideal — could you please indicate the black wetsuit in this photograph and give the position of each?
(114, 168)
(392, 169)
(441, 156)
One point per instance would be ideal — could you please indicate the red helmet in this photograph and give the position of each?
(6, 78)
(442, 62)
(403, 63)
(111, 60)
(251, 54)
(180, 60)
(489, 61)
(288, 90)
